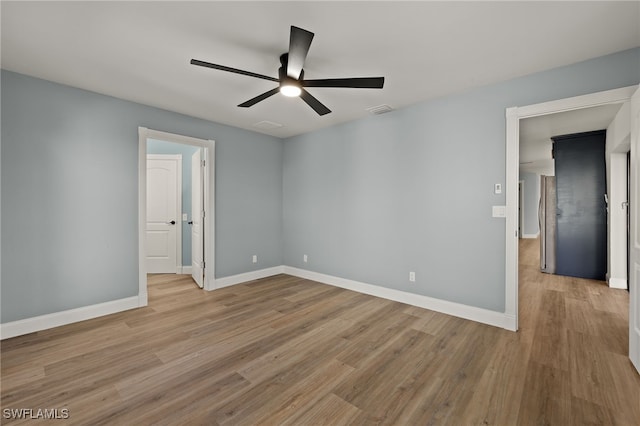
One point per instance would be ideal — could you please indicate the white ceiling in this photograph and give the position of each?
(536, 133)
(140, 51)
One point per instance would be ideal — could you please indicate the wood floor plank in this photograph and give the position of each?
(547, 398)
(302, 395)
(249, 405)
(502, 383)
(330, 410)
(292, 352)
(285, 350)
(384, 369)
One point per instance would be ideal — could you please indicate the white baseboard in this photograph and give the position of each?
(43, 322)
(510, 323)
(620, 283)
(247, 276)
(485, 316)
(531, 235)
(186, 270)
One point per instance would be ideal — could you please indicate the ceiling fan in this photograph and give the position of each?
(291, 75)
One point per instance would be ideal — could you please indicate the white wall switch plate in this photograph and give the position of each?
(305, 258)
(412, 277)
(499, 211)
(255, 258)
(185, 217)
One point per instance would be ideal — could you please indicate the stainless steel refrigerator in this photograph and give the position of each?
(547, 222)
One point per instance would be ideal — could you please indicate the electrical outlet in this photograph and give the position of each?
(255, 258)
(305, 258)
(412, 277)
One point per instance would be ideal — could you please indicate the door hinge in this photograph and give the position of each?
(203, 264)
(203, 213)
(204, 163)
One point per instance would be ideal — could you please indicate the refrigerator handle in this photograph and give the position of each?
(540, 214)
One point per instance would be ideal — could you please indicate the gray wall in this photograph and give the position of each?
(531, 197)
(370, 200)
(187, 151)
(70, 193)
(412, 190)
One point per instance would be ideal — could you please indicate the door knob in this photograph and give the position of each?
(173, 222)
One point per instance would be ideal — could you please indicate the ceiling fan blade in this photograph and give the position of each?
(299, 43)
(355, 83)
(229, 69)
(259, 98)
(314, 103)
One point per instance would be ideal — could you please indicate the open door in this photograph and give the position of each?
(634, 252)
(197, 239)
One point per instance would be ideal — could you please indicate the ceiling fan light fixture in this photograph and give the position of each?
(291, 90)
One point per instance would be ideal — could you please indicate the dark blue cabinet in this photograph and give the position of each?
(581, 226)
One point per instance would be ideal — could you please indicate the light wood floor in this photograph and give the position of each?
(285, 350)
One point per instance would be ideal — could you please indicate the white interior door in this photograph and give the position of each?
(634, 253)
(163, 213)
(197, 242)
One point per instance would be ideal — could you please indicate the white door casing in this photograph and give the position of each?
(634, 254)
(513, 117)
(163, 254)
(208, 205)
(197, 243)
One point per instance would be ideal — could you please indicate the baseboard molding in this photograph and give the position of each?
(532, 236)
(247, 276)
(186, 270)
(44, 322)
(620, 283)
(485, 316)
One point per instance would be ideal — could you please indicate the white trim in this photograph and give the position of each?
(208, 228)
(485, 316)
(620, 283)
(185, 270)
(536, 235)
(511, 220)
(513, 117)
(44, 322)
(142, 215)
(209, 204)
(472, 313)
(248, 276)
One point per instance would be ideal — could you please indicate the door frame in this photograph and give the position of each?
(178, 159)
(513, 117)
(209, 204)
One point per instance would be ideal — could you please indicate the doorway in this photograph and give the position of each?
(514, 116)
(203, 219)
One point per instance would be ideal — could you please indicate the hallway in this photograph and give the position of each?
(579, 344)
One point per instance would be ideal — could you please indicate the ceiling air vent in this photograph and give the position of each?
(267, 125)
(380, 109)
